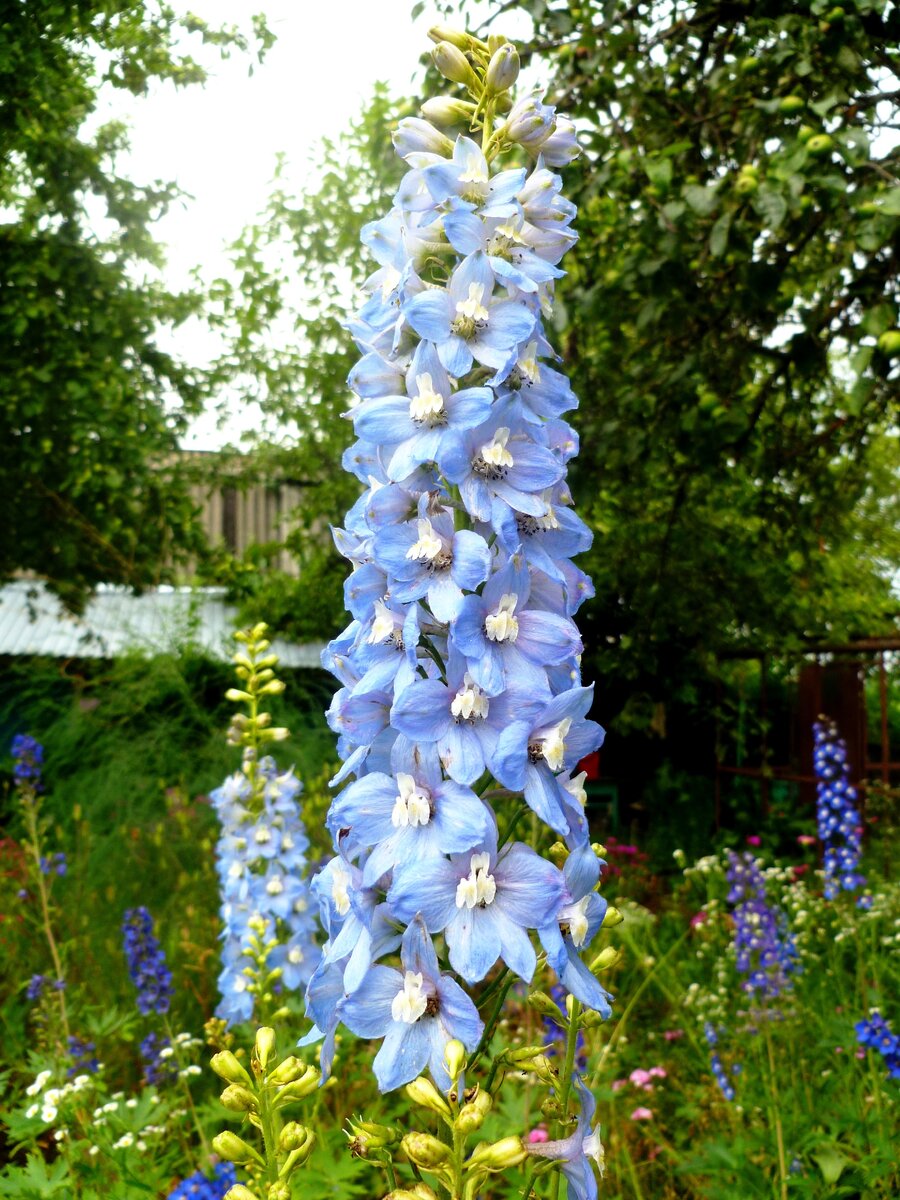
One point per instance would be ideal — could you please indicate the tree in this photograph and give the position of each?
(90, 405)
(728, 326)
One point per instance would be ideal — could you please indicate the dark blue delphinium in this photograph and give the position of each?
(29, 759)
(159, 1062)
(146, 962)
(838, 817)
(876, 1033)
(199, 1187)
(766, 953)
(84, 1057)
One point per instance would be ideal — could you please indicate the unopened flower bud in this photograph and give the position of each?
(551, 1108)
(456, 37)
(228, 1145)
(238, 1098)
(273, 688)
(561, 147)
(503, 69)
(608, 957)
(238, 1191)
(424, 1150)
(446, 110)
(236, 696)
(369, 1136)
(278, 1191)
(497, 1156)
(454, 1058)
(599, 849)
(300, 1088)
(422, 1091)
(453, 64)
(543, 1004)
(292, 1137)
(228, 1068)
(611, 918)
(423, 1192)
(522, 1054)
(263, 1046)
(469, 1119)
(288, 1070)
(529, 123)
(413, 136)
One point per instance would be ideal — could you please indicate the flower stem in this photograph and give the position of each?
(34, 846)
(566, 1082)
(776, 1115)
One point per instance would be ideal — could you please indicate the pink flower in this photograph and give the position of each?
(539, 1134)
(658, 1072)
(754, 840)
(618, 1084)
(672, 1035)
(642, 1114)
(698, 919)
(806, 839)
(640, 1078)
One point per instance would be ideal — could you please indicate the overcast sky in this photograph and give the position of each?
(219, 142)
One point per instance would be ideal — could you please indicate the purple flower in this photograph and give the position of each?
(146, 962)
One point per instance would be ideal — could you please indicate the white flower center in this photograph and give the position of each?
(495, 452)
(295, 955)
(410, 1003)
(275, 886)
(476, 169)
(575, 787)
(472, 306)
(413, 804)
(339, 894)
(470, 702)
(262, 834)
(383, 625)
(592, 1147)
(548, 520)
(554, 744)
(429, 545)
(478, 886)
(390, 280)
(427, 404)
(578, 922)
(502, 625)
(528, 364)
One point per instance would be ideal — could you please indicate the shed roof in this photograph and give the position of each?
(33, 622)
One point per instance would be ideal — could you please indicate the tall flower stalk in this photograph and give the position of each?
(461, 708)
(838, 817)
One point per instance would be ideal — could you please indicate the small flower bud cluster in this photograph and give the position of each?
(876, 1034)
(146, 962)
(268, 936)
(765, 950)
(840, 826)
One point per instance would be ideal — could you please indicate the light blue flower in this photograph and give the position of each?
(573, 928)
(580, 1152)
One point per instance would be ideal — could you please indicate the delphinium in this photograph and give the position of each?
(766, 956)
(461, 712)
(838, 817)
(269, 926)
(199, 1187)
(875, 1034)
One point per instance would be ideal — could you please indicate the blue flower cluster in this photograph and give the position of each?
(55, 864)
(718, 1067)
(146, 962)
(766, 951)
(461, 661)
(876, 1033)
(261, 858)
(28, 760)
(838, 817)
(84, 1057)
(160, 1066)
(199, 1187)
(37, 984)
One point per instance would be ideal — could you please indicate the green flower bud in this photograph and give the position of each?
(612, 918)
(367, 1135)
(889, 342)
(292, 1137)
(608, 957)
(453, 64)
(300, 1088)
(239, 1192)
(424, 1150)
(298, 1157)
(456, 37)
(238, 1098)
(503, 69)
(287, 1071)
(470, 1118)
(446, 110)
(497, 1156)
(278, 1191)
(227, 1066)
(229, 1145)
(236, 696)
(524, 1054)
(264, 1046)
(550, 1108)
(454, 1058)
(422, 1091)
(542, 1003)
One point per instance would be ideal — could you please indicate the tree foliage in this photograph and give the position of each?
(727, 324)
(90, 404)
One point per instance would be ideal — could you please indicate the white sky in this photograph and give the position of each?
(219, 143)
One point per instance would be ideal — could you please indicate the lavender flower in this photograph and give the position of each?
(157, 1056)
(146, 962)
(838, 817)
(28, 761)
(766, 953)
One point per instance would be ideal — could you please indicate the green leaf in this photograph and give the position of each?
(771, 205)
(831, 1162)
(703, 200)
(659, 171)
(718, 238)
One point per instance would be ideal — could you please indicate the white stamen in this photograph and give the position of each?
(476, 169)
(548, 520)
(495, 452)
(478, 886)
(575, 787)
(410, 1003)
(413, 804)
(528, 364)
(592, 1147)
(429, 545)
(339, 894)
(383, 625)
(427, 404)
(578, 922)
(262, 834)
(391, 278)
(472, 307)
(470, 702)
(554, 744)
(295, 955)
(275, 886)
(502, 625)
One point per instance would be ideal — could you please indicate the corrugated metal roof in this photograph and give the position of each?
(33, 622)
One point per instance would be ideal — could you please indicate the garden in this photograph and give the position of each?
(569, 872)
